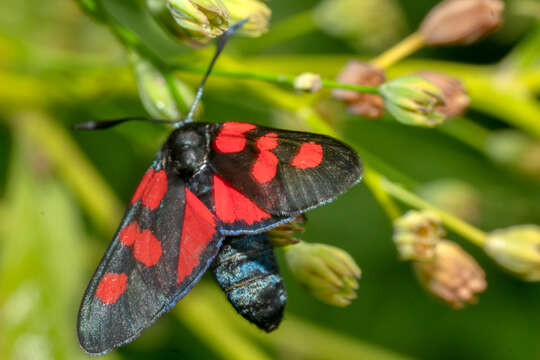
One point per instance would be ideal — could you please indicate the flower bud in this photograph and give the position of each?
(517, 249)
(257, 12)
(461, 22)
(201, 18)
(416, 234)
(361, 73)
(452, 275)
(309, 82)
(455, 96)
(328, 273)
(155, 93)
(413, 100)
(371, 25)
(455, 196)
(513, 148)
(284, 235)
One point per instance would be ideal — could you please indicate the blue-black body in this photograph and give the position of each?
(247, 271)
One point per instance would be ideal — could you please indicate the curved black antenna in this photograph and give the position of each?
(105, 124)
(221, 42)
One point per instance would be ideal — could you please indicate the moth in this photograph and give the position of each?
(208, 182)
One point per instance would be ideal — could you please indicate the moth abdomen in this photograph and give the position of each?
(247, 271)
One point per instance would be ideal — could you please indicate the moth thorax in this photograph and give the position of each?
(187, 150)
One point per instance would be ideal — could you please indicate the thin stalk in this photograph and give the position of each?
(404, 48)
(459, 226)
(373, 180)
(282, 79)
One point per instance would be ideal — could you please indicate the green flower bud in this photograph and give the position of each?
(455, 96)
(454, 196)
(514, 149)
(309, 82)
(328, 273)
(517, 249)
(257, 12)
(413, 100)
(452, 275)
(416, 234)
(201, 18)
(371, 25)
(155, 93)
(284, 235)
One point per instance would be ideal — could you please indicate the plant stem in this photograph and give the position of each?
(284, 79)
(404, 48)
(373, 180)
(461, 227)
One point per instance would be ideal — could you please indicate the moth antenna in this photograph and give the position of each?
(105, 124)
(221, 42)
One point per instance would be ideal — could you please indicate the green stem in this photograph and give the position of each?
(461, 227)
(404, 48)
(283, 79)
(373, 180)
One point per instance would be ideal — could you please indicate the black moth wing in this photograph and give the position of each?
(152, 281)
(304, 178)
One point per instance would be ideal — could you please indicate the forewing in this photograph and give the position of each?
(282, 172)
(166, 241)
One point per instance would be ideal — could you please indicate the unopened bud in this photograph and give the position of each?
(416, 234)
(257, 12)
(461, 22)
(413, 100)
(452, 275)
(201, 18)
(285, 234)
(513, 148)
(155, 93)
(328, 273)
(455, 96)
(361, 73)
(517, 249)
(371, 25)
(454, 196)
(309, 82)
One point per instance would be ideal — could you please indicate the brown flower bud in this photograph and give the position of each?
(456, 99)
(461, 22)
(361, 73)
(452, 276)
(285, 234)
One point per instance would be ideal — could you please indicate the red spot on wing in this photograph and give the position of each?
(231, 138)
(232, 205)
(155, 190)
(309, 155)
(142, 186)
(198, 230)
(147, 249)
(110, 287)
(267, 142)
(129, 233)
(265, 167)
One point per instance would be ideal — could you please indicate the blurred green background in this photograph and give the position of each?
(57, 68)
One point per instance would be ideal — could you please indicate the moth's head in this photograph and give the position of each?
(187, 149)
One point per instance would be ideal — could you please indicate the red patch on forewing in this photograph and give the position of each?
(267, 142)
(309, 155)
(146, 247)
(156, 189)
(142, 186)
(198, 230)
(265, 167)
(110, 287)
(231, 138)
(232, 205)
(129, 233)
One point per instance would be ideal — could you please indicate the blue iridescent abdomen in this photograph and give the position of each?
(247, 270)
